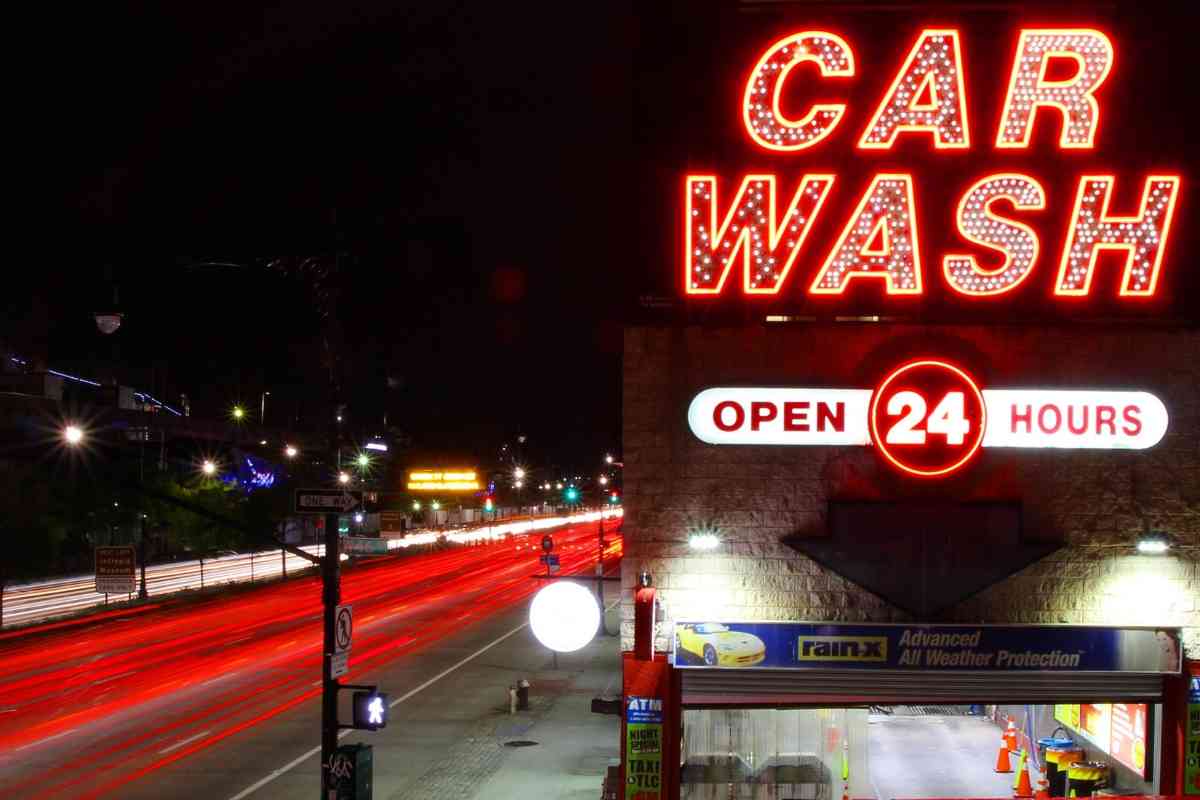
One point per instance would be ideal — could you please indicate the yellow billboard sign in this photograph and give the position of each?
(438, 480)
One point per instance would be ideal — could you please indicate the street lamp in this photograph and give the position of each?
(603, 480)
(518, 473)
(363, 461)
(73, 435)
(416, 505)
(290, 451)
(208, 468)
(343, 478)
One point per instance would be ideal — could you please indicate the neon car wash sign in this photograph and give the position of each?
(929, 417)
(1090, 232)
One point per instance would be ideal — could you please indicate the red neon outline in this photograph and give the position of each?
(837, 109)
(918, 284)
(1009, 97)
(741, 243)
(1131, 249)
(916, 128)
(878, 441)
(987, 210)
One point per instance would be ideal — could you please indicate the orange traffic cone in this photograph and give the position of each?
(1022, 788)
(1002, 762)
(1043, 787)
(1010, 736)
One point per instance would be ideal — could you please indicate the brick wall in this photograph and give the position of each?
(1094, 502)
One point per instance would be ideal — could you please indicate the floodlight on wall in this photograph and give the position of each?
(704, 541)
(1154, 544)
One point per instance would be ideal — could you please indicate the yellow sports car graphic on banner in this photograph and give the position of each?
(715, 645)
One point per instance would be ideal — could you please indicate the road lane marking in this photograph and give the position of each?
(113, 677)
(182, 742)
(254, 787)
(41, 741)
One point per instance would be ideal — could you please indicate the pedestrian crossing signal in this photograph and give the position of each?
(370, 711)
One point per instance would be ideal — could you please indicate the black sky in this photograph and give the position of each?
(467, 159)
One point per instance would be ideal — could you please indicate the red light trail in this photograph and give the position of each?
(129, 695)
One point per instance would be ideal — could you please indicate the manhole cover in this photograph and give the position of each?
(520, 743)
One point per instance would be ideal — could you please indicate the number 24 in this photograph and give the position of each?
(948, 418)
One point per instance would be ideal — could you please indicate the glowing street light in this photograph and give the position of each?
(343, 478)
(416, 505)
(363, 461)
(608, 459)
(208, 467)
(558, 485)
(603, 480)
(518, 473)
(518, 484)
(73, 435)
(238, 413)
(290, 451)
(436, 505)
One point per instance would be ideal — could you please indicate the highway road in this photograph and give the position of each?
(115, 705)
(41, 600)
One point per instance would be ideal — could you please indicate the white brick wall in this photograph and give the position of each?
(1094, 503)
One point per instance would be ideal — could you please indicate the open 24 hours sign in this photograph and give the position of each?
(929, 417)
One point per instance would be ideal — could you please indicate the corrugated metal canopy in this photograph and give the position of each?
(764, 687)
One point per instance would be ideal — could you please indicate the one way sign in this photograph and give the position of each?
(327, 501)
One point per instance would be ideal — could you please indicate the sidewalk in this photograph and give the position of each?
(573, 746)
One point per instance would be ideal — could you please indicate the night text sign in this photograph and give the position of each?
(1092, 230)
(928, 417)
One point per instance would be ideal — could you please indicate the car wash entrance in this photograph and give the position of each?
(764, 710)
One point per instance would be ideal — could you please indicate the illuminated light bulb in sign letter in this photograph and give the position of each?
(1074, 98)
(978, 224)
(927, 96)
(765, 121)
(879, 241)
(1143, 238)
(751, 232)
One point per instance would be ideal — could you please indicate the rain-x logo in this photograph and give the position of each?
(841, 648)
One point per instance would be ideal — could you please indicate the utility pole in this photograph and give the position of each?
(332, 591)
(600, 562)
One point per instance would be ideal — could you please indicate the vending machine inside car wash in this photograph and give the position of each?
(780, 709)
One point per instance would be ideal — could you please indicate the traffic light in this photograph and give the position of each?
(370, 710)
(614, 498)
(488, 505)
(572, 494)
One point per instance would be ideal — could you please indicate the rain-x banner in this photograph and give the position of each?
(992, 648)
(643, 748)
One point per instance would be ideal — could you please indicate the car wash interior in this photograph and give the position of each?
(917, 750)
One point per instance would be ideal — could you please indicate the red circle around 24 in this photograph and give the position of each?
(928, 418)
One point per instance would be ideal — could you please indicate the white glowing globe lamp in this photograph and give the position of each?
(564, 616)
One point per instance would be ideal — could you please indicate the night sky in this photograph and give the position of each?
(496, 183)
(466, 161)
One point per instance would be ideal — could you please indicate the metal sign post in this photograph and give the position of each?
(331, 578)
